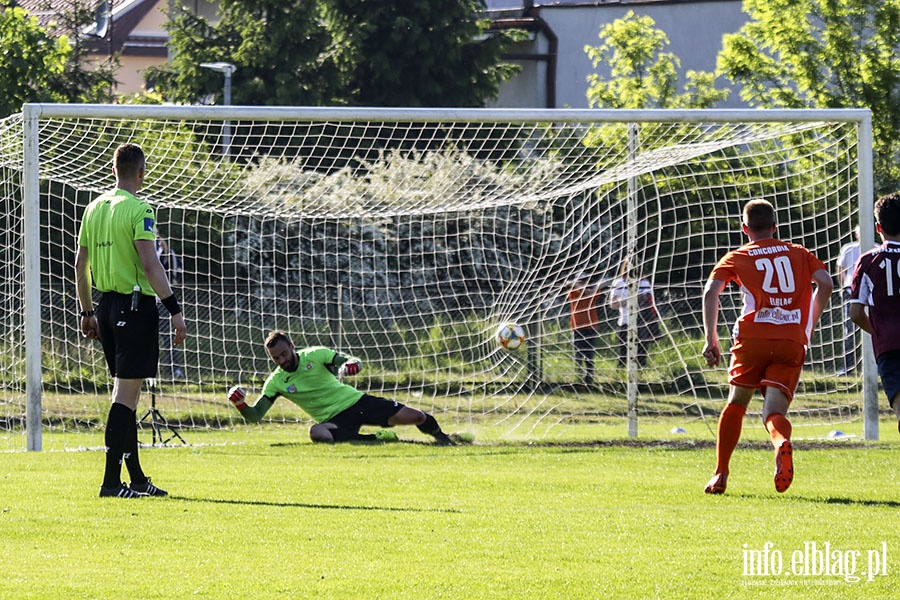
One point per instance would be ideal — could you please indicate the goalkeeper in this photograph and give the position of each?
(309, 378)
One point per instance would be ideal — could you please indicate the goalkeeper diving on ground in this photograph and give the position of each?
(310, 379)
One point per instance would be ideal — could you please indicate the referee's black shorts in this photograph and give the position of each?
(130, 339)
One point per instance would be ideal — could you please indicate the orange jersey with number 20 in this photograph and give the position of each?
(775, 278)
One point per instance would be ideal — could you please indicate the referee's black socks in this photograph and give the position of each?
(132, 462)
(118, 431)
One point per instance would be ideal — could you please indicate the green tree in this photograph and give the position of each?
(642, 74)
(824, 54)
(326, 52)
(418, 52)
(36, 66)
(84, 79)
(281, 50)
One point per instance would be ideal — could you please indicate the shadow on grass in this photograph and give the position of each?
(315, 506)
(828, 500)
(859, 502)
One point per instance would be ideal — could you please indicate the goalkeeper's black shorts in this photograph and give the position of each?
(368, 410)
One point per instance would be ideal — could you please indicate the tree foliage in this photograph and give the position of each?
(326, 52)
(824, 54)
(36, 66)
(643, 75)
(282, 52)
(417, 52)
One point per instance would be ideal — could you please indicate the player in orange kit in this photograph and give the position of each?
(770, 336)
(583, 320)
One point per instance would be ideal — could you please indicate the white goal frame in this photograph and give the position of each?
(34, 112)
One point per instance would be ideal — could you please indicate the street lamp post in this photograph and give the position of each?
(227, 69)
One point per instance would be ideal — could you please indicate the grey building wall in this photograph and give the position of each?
(695, 29)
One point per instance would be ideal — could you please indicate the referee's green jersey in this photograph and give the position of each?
(312, 386)
(111, 224)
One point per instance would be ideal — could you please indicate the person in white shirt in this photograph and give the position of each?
(846, 264)
(648, 323)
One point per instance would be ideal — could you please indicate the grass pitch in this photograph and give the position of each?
(262, 513)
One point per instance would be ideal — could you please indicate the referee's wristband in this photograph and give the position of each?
(171, 304)
(87, 313)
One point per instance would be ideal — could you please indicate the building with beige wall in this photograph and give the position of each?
(132, 29)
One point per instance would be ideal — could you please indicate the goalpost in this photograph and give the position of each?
(408, 236)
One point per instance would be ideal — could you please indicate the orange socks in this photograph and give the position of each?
(730, 422)
(779, 429)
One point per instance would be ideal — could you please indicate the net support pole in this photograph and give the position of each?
(535, 356)
(632, 280)
(31, 251)
(340, 319)
(866, 207)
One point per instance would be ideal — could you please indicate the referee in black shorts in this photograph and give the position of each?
(117, 254)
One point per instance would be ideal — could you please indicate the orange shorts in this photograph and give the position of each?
(759, 363)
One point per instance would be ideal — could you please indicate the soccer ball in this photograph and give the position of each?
(510, 336)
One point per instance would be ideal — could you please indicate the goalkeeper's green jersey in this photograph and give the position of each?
(313, 387)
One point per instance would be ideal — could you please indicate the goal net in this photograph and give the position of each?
(407, 237)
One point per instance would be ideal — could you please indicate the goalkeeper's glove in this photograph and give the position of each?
(351, 367)
(236, 396)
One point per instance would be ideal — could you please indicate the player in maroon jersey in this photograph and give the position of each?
(876, 287)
